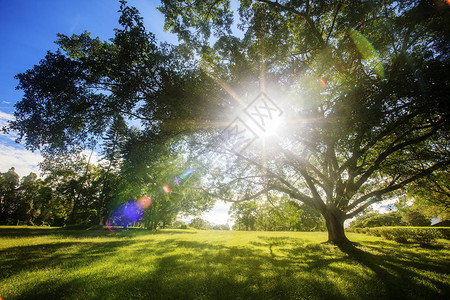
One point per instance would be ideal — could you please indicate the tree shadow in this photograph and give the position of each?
(93, 231)
(401, 271)
(15, 260)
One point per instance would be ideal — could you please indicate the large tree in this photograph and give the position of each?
(363, 85)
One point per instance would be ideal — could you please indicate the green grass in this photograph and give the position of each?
(52, 263)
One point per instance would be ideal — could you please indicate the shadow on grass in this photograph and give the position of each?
(76, 232)
(15, 260)
(405, 273)
(264, 268)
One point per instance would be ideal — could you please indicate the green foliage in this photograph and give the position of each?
(379, 120)
(277, 215)
(432, 195)
(206, 16)
(147, 167)
(9, 182)
(376, 220)
(414, 217)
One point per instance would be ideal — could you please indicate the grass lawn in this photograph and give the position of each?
(52, 263)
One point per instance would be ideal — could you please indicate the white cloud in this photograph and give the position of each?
(25, 161)
(6, 102)
(22, 160)
(4, 117)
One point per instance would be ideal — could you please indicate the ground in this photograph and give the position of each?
(55, 263)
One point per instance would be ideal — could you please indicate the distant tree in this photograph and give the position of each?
(146, 168)
(53, 209)
(221, 227)
(75, 183)
(245, 215)
(28, 206)
(276, 214)
(115, 139)
(9, 183)
(177, 224)
(199, 223)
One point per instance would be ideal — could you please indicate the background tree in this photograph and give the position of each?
(432, 195)
(114, 142)
(9, 182)
(376, 220)
(199, 223)
(414, 217)
(74, 181)
(244, 214)
(221, 227)
(28, 203)
(277, 214)
(147, 167)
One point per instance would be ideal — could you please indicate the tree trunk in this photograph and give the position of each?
(335, 227)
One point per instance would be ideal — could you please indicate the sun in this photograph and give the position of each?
(274, 128)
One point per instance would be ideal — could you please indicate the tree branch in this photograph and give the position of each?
(334, 20)
(305, 164)
(251, 197)
(385, 154)
(305, 16)
(392, 187)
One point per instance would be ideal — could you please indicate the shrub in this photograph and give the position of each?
(421, 235)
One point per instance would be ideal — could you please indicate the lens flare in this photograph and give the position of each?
(187, 173)
(167, 188)
(322, 82)
(177, 180)
(368, 52)
(145, 201)
(127, 213)
(109, 225)
(133, 211)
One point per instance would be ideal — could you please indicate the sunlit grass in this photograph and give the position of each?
(183, 264)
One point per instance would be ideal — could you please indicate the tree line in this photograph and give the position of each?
(76, 191)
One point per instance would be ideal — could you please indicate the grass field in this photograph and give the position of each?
(52, 263)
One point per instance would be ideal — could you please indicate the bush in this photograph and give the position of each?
(377, 220)
(421, 235)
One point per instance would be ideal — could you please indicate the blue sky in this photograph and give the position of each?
(28, 30)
